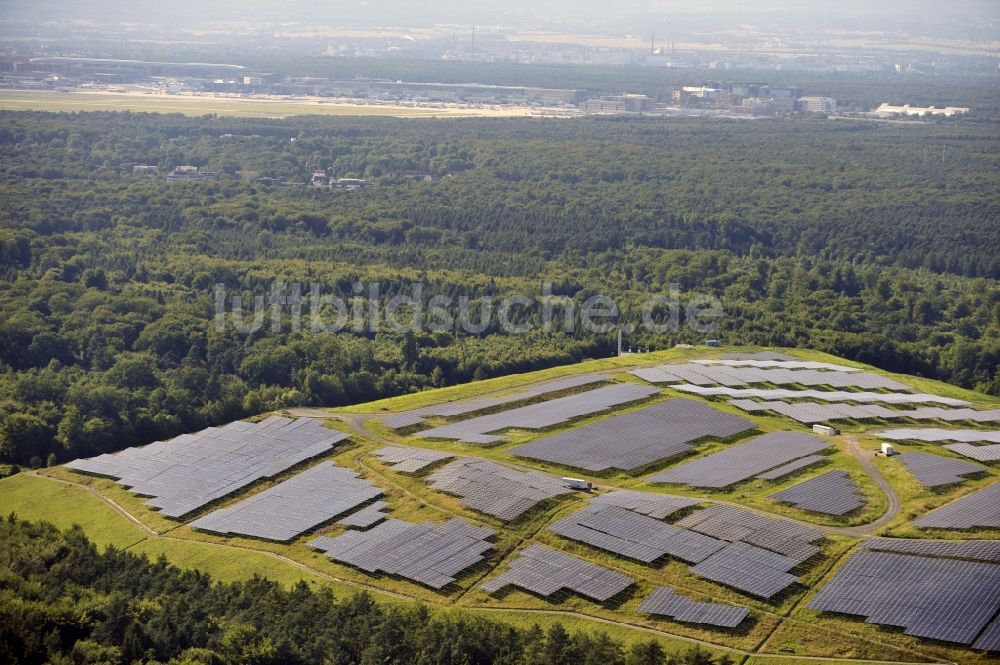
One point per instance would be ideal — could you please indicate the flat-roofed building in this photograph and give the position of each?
(818, 104)
(906, 109)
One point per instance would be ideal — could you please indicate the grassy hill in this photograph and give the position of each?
(780, 631)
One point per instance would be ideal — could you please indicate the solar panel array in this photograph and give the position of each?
(657, 506)
(428, 553)
(743, 550)
(633, 440)
(989, 639)
(987, 453)
(366, 517)
(746, 460)
(822, 395)
(761, 552)
(938, 434)
(789, 363)
(979, 509)
(409, 460)
(664, 602)
(974, 550)
(495, 489)
(635, 536)
(708, 375)
(833, 493)
(192, 470)
(942, 599)
(292, 506)
(450, 409)
(794, 465)
(935, 471)
(545, 571)
(813, 412)
(748, 568)
(735, 524)
(541, 415)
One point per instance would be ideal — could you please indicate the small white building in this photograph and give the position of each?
(578, 484)
(888, 450)
(825, 430)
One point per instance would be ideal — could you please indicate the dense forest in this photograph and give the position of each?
(877, 242)
(64, 602)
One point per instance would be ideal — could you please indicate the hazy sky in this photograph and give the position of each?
(191, 10)
(608, 16)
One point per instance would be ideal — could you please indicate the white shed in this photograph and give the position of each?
(577, 483)
(825, 430)
(888, 450)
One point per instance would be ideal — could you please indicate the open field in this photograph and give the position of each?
(258, 107)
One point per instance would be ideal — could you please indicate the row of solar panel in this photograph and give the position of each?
(540, 416)
(708, 375)
(988, 453)
(937, 598)
(938, 434)
(966, 438)
(717, 543)
(633, 440)
(450, 409)
(494, 489)
(813, 412)
(428, 553)
(937, 471)
(544, 571)
(822, 395)
(785, 364)
(832, 493)
(192, 470)
(792, 539)
(743, 461)
(293, 506)
(409, 460)
(980, 509)
(664, 602)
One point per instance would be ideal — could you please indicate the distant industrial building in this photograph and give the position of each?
(756, 99)
(626, 103)
(690, 92)
(818, 104)
(906, 109)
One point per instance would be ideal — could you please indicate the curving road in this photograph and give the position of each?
(864, 459)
